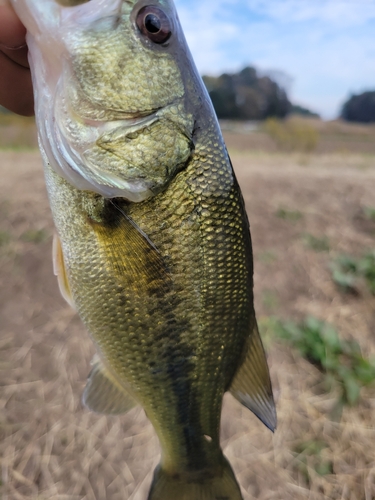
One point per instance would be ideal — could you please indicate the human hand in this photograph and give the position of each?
(16, 93)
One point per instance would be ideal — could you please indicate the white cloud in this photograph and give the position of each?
(337, 12)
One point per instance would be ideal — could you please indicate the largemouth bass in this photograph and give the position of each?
(153, 247)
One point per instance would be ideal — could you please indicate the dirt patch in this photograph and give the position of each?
(51, 448)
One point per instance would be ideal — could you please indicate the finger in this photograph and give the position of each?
(12, 36)
(19, 55)
(12, 31)
(16, 91)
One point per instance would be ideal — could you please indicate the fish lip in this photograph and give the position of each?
(133, 118)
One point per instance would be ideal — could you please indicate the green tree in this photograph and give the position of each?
(360, 108)
(247, 96)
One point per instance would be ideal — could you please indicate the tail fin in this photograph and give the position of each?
(222, 486)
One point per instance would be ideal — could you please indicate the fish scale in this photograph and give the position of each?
(153, 246)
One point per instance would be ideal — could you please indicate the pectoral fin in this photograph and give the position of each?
(104, 394)
(60, 270)
(130, 256)
(251, 385)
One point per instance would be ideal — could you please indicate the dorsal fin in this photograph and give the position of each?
(251, 385)
(104, 394)
(60, 270)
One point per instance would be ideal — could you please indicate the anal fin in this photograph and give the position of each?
(251, 385)
(104, 394)
(60, 270)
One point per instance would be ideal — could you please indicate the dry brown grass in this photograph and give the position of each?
(50, 448)
(298, 134)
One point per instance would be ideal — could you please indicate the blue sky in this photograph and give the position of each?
(325, 47)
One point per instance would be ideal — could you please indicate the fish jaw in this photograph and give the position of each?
(102, 133)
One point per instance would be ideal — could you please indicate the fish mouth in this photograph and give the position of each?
(123, 117)
(89, 152)
(116, 153)
(69, 136)
(75, 165)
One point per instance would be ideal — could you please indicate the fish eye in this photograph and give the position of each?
(154, 23)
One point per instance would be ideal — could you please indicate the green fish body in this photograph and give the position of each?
(153, 246)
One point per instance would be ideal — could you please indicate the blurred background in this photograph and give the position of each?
(293, 84)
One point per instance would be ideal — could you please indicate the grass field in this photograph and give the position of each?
(306, 209)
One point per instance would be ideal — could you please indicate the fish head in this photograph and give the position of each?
(117, 94)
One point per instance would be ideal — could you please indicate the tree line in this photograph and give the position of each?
(360, 108)
(247, 96)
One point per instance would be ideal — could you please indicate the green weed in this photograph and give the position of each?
(310, 458)
(270, 299)
(267, 326)
(339, 360)
(347, 272)
(369, 213)
(291, 215)
(5, 237)
(316, 243)
(267, 257)
(366, 268)
(344, 273)
(35, 236)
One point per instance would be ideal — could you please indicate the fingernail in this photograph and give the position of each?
(2, 46)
